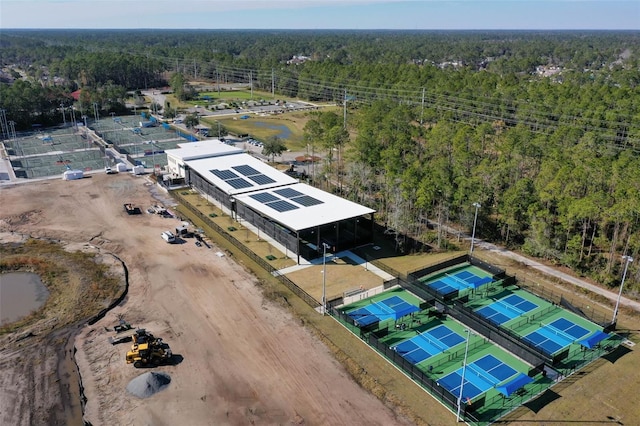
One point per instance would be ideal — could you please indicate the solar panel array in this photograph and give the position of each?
(238, 181)
(294, 199)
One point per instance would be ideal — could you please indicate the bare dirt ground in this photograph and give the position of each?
(239, 358)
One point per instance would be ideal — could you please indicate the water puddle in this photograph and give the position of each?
(284, 131)
(20, 294)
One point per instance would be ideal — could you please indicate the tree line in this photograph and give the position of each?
(435, 120)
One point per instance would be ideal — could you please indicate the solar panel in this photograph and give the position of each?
(261, 179)
(264, 197)
(307, 200)
(281, 206)
(239, 183)
(288, 192)
(224, 174)
(246, 170)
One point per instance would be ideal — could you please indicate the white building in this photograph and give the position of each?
(190, 151)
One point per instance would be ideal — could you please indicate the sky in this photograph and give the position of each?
(324, 14)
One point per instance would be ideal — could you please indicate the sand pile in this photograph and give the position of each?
(147, 384)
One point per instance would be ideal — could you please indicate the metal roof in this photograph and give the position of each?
(327, 208)
(202, 149)
(239, 173)
(272, 193)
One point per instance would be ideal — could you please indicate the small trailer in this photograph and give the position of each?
(72, 175)
(168, 237)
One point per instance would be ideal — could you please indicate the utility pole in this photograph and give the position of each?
(627, 260)
(422, 107)
(475, 220)
(344, 110)
(4, 124)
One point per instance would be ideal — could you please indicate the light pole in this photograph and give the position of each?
(475, 220)
(628, 260)
(464, 369)
(324, 278)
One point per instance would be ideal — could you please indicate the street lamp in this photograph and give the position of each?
(475, 220)
(325, 246)
(628, 260)
(464, 368)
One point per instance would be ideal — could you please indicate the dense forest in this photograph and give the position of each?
(541, 128)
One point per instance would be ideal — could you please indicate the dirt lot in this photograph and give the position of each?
(239, 358)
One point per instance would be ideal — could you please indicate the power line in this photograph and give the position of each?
(619, 131)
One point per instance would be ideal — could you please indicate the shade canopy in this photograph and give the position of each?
(592, 341)
(513, 385)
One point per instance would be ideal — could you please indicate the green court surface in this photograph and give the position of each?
(52, 151)
(57, 164)
(430, 345)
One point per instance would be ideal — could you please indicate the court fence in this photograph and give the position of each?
(509, 340)
(577, 307)
(422, 378)
(481, 410)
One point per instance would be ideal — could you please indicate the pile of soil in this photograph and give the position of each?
(147, 384)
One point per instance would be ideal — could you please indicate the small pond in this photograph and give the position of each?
(285, 132)
(20, 294)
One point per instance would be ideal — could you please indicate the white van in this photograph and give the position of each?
(168, 236)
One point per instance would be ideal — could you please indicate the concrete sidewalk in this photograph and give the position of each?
(346, 253)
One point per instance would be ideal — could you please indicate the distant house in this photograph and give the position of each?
(298, 59)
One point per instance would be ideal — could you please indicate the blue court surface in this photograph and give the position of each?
(449, 283)
(556, 335)
(479, 376)
(506, 309)
(391, 308)
(427, 344)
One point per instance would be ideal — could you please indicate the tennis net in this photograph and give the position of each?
(510, 307)
(483, 375)
(558, 332)
(434, 342)
(384, 308)
(460, 281)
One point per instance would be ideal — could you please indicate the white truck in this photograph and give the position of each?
(168, 237)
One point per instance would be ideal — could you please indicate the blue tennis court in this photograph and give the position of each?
(556, 335)
(427, 344)
(393, 307)
(479, 376)
(449, 283)
(569, 327)
(506, 309)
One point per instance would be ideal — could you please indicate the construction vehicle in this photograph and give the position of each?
(184, 231)
(120, 334)
(130, 209)
(147, 350)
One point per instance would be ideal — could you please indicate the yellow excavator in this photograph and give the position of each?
(147, 350)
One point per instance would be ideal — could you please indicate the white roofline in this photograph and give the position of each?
(204, 166)
(332, 209)
(202, 149)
